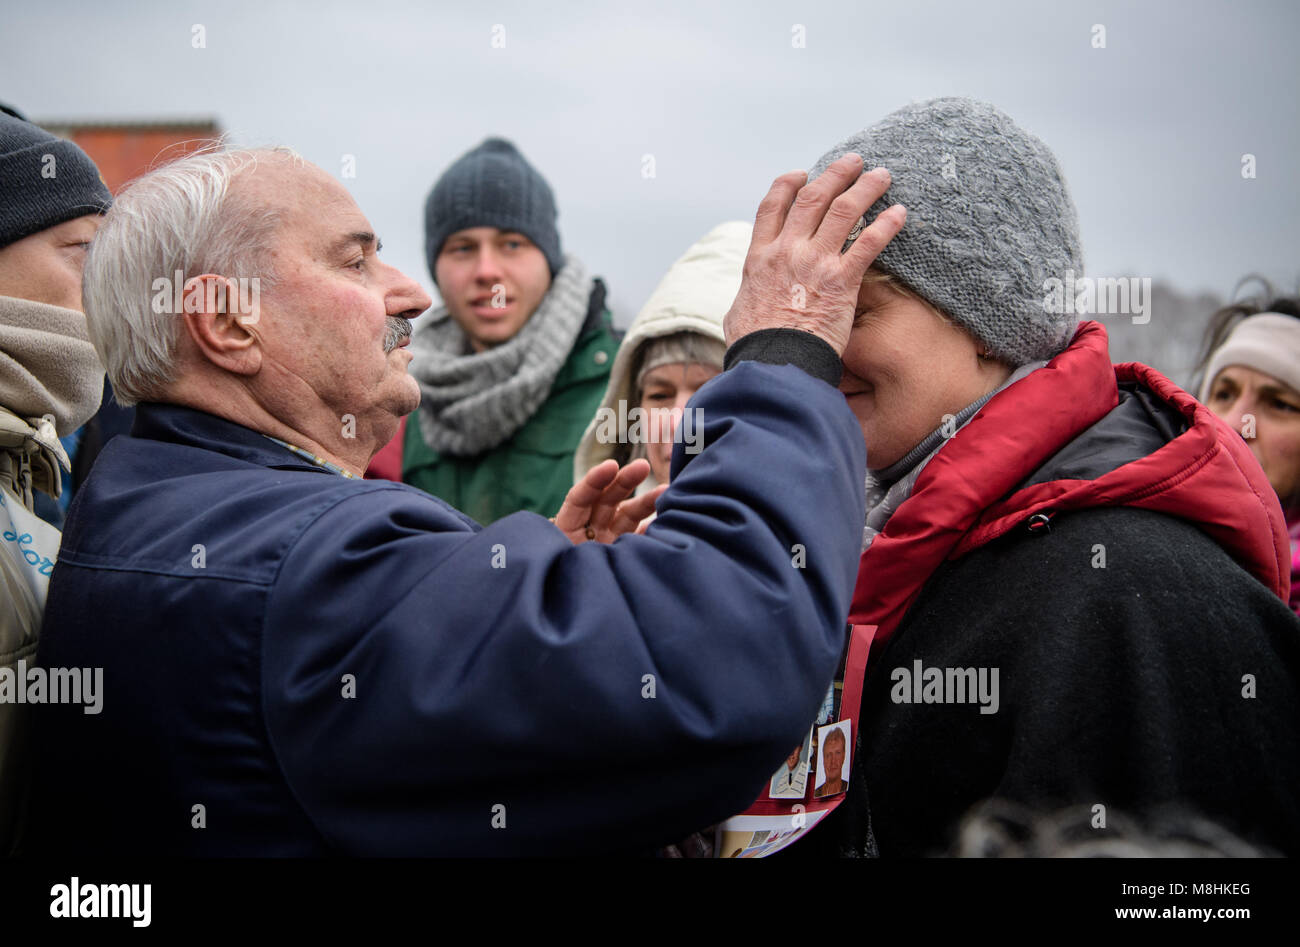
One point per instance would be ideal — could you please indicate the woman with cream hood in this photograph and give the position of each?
(672, 348)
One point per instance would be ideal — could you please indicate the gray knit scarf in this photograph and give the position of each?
(888, 488)
(472, 403)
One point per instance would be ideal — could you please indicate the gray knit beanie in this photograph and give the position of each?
(989, 221)
(492, 186)
(44, 181)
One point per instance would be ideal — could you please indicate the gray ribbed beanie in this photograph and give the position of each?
(989, 220)
(492, 186)
(44, 181)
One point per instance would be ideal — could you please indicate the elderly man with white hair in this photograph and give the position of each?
(298, 661)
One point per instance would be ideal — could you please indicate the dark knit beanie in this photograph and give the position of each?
(492, 186)
(989, 221)
(44, 181)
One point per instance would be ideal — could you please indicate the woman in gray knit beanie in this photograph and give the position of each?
(1057, 539)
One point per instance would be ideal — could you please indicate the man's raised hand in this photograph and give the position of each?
(795, 275)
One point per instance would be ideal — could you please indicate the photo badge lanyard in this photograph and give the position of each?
(801, 792)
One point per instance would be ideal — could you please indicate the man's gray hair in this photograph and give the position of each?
(180, 218)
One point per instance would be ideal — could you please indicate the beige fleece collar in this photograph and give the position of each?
(47, 364)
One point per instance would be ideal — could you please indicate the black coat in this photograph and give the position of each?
(1119, 686)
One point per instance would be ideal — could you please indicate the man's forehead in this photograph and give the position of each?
(311, 204)
(274, 175)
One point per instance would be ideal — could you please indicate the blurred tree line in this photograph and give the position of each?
(1171, 341)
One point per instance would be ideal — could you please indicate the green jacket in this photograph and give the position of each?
(533, 470)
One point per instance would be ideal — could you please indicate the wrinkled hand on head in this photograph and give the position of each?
(797, 273)
(598, 506)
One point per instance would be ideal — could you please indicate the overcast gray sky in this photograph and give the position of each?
(1151, 129)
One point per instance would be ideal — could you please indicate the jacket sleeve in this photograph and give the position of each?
(430, 688)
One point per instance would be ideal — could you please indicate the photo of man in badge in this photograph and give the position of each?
(833, 762)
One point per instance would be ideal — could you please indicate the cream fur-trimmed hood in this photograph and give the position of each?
(694, 296)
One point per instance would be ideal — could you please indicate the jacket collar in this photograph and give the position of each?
(176, 424)
(31, 456)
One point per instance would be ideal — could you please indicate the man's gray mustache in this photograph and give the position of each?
(397, 330)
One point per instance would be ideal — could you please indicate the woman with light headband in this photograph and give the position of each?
(1252, 382)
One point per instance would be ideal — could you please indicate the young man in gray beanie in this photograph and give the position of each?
(51, 200)
(513, 365)
(1077, 574)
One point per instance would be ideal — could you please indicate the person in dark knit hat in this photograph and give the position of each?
(1077, 573)
(47, 182)
(513, 365)
(51, 199)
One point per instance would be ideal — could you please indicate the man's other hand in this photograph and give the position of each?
(597, 507)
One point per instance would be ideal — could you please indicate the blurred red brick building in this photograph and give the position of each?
(126, 150)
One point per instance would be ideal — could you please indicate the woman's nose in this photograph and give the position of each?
(1235, 414)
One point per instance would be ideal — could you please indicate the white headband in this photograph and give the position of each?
(1268, 342)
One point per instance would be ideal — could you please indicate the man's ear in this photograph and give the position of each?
(222, 334)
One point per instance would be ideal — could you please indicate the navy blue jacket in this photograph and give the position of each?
(328, 665)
